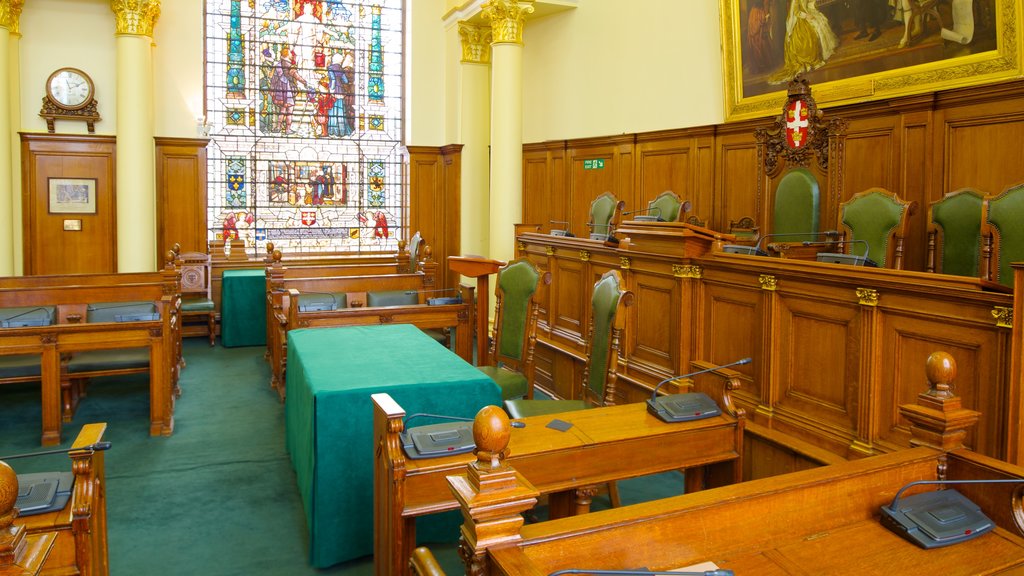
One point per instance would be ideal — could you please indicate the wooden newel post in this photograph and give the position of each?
(12, 538)
(938, 420)
(492, 494)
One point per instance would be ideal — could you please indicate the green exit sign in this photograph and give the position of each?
(597, 164)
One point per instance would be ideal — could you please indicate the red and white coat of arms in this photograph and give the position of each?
(308, 217)
(796, 113)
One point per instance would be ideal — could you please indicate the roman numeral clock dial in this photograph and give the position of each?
(69, 96)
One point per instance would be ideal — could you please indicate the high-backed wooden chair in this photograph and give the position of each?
(668, 207)
(196, 301)
(797, 208)
(607, 321)
(604, 215)
(954, 233)
(1003, 234)
(510, 361)
(874, 222)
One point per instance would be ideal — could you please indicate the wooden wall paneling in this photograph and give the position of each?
(181, 195)
(586, 184)
(652, 340)
(49, 248)
(916, 186)
(735, 189)
(703, 185)
(451, 158)
(434, 196)
(872, 159)
(734, 315)
(544, 194)
(566, 300)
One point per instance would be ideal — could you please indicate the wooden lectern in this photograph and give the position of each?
(480, 268)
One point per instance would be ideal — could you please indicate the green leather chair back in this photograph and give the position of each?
(392, 298)
(872, 217)
(796, 206)
(602, 210)
(1006, 215)
(517, 283)
(415, 243)
(668, 206)
(958, 216)
(604, 302)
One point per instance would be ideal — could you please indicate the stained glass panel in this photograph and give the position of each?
(304, 102)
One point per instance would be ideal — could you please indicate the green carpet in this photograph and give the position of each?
(219, 496)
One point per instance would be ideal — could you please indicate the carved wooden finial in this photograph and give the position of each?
(276, 256)
(270, 248)
(8, 495)
(176, 248)
(428, 253)
(940, 369)
(401, 246)
(491, 432)
(169, 258)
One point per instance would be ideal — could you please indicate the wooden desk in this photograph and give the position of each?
(328, 418)
(604, 444)
(821, 521)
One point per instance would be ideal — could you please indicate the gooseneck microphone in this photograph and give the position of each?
(311, 305)
(91, 448)
(438, 300)
(718, 572)
(756, 249)
(653, 217)
(444, 439)
(938, 518)
(13, 322)
(688, 406)
(564, 232)
(842, 258)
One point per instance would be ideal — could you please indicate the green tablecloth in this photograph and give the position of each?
(243, 308)
(329, 418)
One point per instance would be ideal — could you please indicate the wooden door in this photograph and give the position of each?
(68, 205)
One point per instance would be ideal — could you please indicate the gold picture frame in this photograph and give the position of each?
(72, 195)
(929, 50)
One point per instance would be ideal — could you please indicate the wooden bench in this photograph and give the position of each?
(57, 344)
(72, 540)
(603, 445)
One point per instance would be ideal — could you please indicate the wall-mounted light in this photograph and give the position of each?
(202, 128)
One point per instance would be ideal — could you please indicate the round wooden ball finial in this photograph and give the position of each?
(276, 255)
(491, 431)
(8, 495)
(270, 247)
(940, 369)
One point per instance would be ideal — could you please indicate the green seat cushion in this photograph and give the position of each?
(525, 408)
(99, 360)
(959, 217)
(393, 298)
(196, 305)
(796, 207)
(20, 366)
(20, 316)
(512, 384)
(120, 312)
(319, 301)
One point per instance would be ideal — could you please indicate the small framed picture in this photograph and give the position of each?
(72, 195)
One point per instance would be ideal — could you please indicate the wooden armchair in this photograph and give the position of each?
(606, 325)
(874, 222)
(1003, 234)
(196, 301)
(605, 211)
(795, 217)
(954, 233)
(510, 359)
(666, 207)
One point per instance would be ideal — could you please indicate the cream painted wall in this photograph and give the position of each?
(425, 74)
(611, 67)
(75, 33)
(178, 68)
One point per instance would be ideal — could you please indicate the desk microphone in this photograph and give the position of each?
(756, 249)
(438, 301)
(7, 322)
(91, 448)
(563, 232)
(445, 439)
(841, 258)
(688, 406)
(718, 572)
(938, 518)
(317, 305)
(133, 317)
(648, 218)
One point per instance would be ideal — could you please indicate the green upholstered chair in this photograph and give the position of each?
(878, 218)
(604, 216)
(1003, 234)
(607, 321)
(668, 207)
(796, 207)
(196, 301)
(510, 359)
(954, 233)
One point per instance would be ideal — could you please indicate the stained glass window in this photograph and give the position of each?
(304, 105)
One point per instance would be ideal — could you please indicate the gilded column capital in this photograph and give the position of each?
(10, 15)
(1003, 316)
(867, 296)
(507, 19)
(136, 16)
(768, 282)
(476, 43)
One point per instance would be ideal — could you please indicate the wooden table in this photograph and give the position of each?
(603, 444)
(328, 418)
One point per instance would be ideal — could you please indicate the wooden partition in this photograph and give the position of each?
(180, 194)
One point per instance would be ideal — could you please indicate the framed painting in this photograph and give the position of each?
(72, 195)
(861, 50)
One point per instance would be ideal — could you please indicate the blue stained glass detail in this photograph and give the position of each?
(376, 122)
(375, 83)
(236, 53)
(236, 182)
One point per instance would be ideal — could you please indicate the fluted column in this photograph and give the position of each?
(14, 85)
(9, 17)
(507, 18)
(136, 188)
(475, 134)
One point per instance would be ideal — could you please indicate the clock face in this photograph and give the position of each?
(69, 88)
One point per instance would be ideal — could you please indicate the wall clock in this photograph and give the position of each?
(69, 96)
